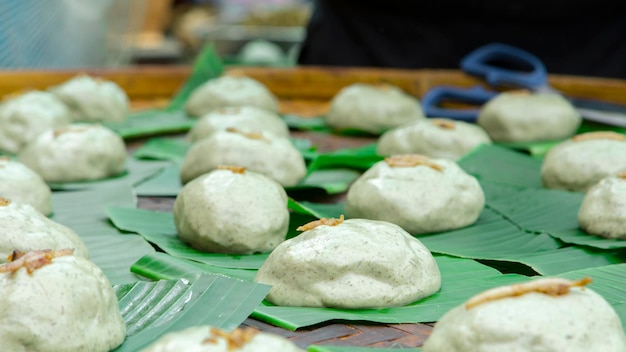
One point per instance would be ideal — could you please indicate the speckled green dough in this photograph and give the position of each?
(93, 100)
(22, 185)
(533, 117)
(228, 212)
(245, 118)
(576, 166)
(25, 229)
(357, 264)
(195, 340)
(84, 152)
(372, 108)
(424, 137)
(68, 305)
(274, 157)
(603, 210)
(419, 199)
(24, 117)
(580, 321)
(230, 91)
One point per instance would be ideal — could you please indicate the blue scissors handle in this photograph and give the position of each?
(478, 63)
(476, 96)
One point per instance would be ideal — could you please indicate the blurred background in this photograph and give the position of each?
(113, 33)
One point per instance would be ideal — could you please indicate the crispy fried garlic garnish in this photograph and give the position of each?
(328, 222)
(443, 123)
(382, 86)
(411, 160)
(230, 110)
(250, 135)
(599, 135)
(234, 169)
(4, 202)
(69, 129)
(622, 175)
(235, 73)
(32, 260)
(549, 286)
(235, 340)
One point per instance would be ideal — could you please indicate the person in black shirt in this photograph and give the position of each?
(576, 37)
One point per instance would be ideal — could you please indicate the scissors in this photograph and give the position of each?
(477, 63)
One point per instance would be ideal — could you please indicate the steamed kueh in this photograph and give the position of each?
(25, 229)
(270, 155)
(24, 117)
(583, 160)
(54, 301)
(232, 210)
(22, 185)
(229, 91)
(245, 118)
(603, 210)
(353, 264)
(372, 108)
(548, 315)
(78, 152)
(93, 99)
(210, 339)
(522, 116)
(419, 194)
(436, 138)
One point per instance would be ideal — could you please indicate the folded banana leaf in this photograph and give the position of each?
(361, 158)
(152, 309)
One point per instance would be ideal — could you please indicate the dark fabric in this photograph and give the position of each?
(575, 37)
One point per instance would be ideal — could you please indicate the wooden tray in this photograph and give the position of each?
(306, 91)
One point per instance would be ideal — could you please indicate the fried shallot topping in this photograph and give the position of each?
(229, 111)
(4, 202)
(324, 221)
(235, 73)
(382, 86)
(234, 169)
(550, 286)
(69, 129)
(5, 158)
(411, 160)
(235, 340)
(250, 135)
(444, 123)
(622, 175)
(32, 260)
(599, 135)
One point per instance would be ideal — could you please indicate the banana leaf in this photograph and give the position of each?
(151, 309)
(206, 66)
(462, 278)
(321, 348)
(158, 228)
(316, 210)
(580, 237)
(165, 183)
(498, 164)
(361, 158)
(136, 171)
(84, 212)
(152, 122)
(317, 123)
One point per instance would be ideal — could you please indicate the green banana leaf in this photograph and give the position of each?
(317, 123)
(84, 212)
(462, 278)
(136, 171)
(207, 65)
(151, 309)
(498, 164)
(165, 183)
(316, 210)
(361, 158)
(580, 237)
(152, 122)
(158, 228)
